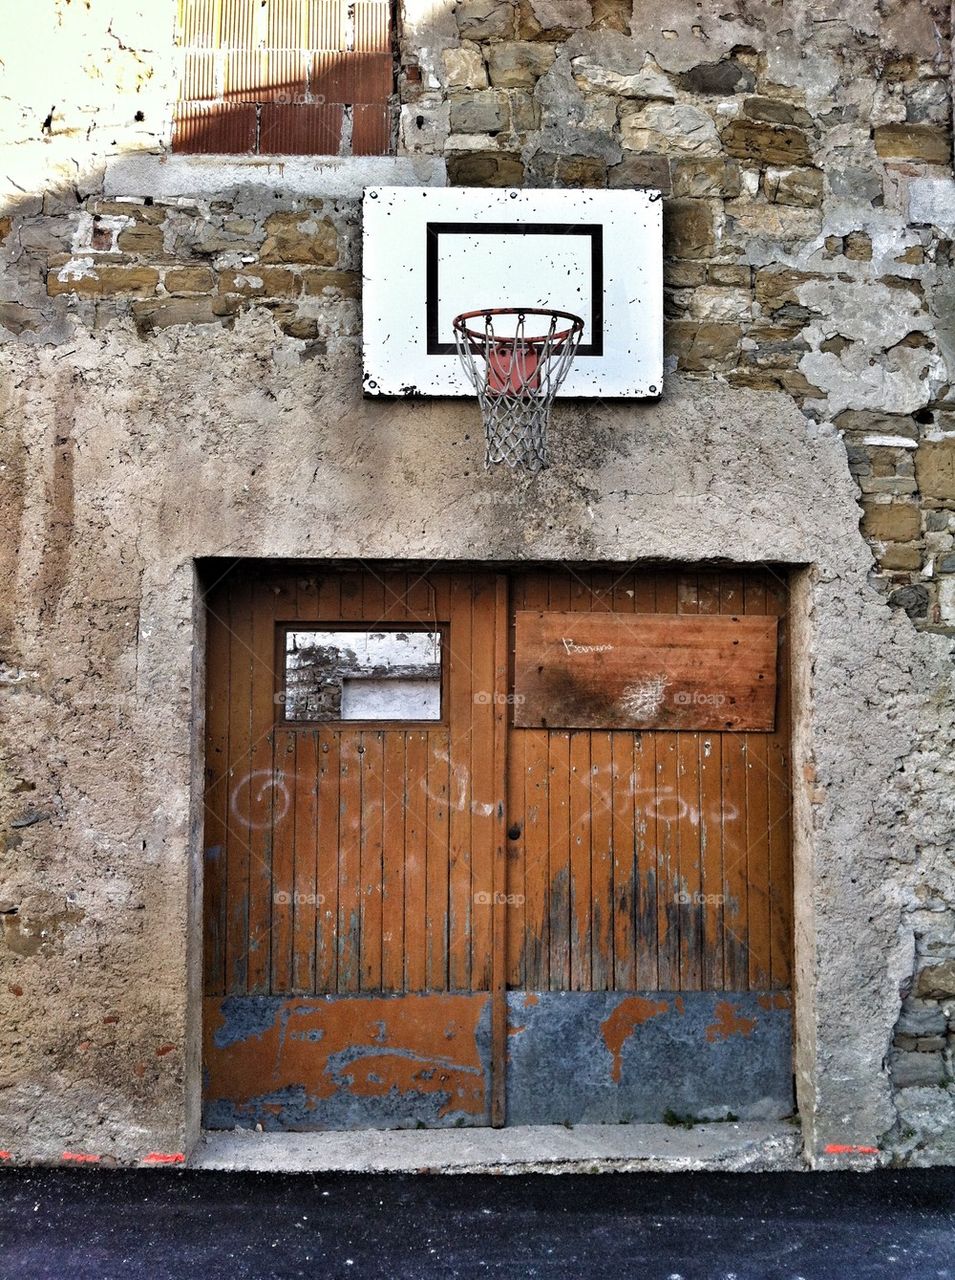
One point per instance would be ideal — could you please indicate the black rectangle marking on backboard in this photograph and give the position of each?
(595, 347)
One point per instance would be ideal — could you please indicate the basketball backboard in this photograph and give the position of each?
(432, 253)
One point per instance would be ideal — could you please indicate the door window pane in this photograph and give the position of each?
(362, 675)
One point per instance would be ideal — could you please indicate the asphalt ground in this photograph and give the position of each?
(164, 1223)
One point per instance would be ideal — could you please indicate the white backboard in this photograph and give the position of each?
(432, 253)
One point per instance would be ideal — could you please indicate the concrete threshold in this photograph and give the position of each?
(754, 1147)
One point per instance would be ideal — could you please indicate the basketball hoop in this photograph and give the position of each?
(519, 377)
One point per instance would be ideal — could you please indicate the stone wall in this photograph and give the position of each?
(158, 313)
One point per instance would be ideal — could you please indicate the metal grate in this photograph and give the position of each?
(317, 75)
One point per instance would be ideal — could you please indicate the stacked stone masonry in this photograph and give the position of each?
(804, 150)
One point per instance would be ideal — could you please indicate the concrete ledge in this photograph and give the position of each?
(740, 1148)
(173, 177)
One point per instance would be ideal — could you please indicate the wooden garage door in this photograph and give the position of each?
(378, 953)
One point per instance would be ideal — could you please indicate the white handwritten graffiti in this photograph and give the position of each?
(571, 646)
(643, 701)
(262, 797)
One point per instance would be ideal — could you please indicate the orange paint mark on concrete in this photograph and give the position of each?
(164, 1157)
(531, 998)
(362, 1046)
(164, 1049)
(839, 1149)
(516, 1031)
(80, 1157)
(729, 1023)
(680, 1005)
(774, 1000)
(6, 1155)
(621, 1024)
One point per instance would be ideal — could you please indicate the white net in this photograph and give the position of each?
(516, 374)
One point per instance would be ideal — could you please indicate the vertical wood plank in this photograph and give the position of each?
(666, 802)
(558, 775)
(414, 943)
(757, 825)
(485, 792)
(349, 862)
(305, 906)
(396, 796)
(498, 838)
(328, 855)
(216, 797)
(240, 787)
(372, 816)
(648, 894)
(267, 786)
(288, 794)
(459, 869)
(711, 825)
(688, 804)
(438, 854)
(780, 803)
(531, 796)
(735, 888)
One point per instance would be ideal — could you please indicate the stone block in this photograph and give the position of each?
(519, 64)
(625, 79)
(935, 469)
(917, 1069)
(581, 171)
(256, 281)
(485, 19)
(766, 143)
(105, 280)
(484, 111)
(719, 79)
(667, 129)
(485, 169)
(189, 280)
(901, 556)
(920, 1020)
(176, 311)
(464, 67)
(773, 221)
(891, 521)
(690, 229)
(141, 238)
(316, 281)
(857, 246)
(794, 186)
(914, 600)
(937, 982)
(702, 177)
(699, 347)
(926, 143)
(304, 238)
(642, 171)
(776, 111)
(612, 15)
(778, 288)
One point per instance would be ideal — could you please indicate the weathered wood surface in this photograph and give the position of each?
(612, 671)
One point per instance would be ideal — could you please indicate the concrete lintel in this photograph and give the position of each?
(754, 1147)
(170, 177)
